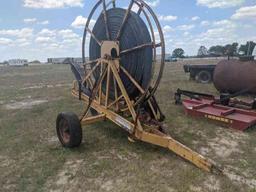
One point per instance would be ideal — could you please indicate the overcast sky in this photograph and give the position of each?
(37, 29)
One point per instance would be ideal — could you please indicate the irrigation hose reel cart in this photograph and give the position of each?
(117, 83)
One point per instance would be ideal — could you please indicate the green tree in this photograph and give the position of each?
(179, 53)
(231, 50)
(248, 48)
(202, 51)
(217, 50)
(235, 47)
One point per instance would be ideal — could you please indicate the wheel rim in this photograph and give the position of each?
(204, 77)
(64, 131)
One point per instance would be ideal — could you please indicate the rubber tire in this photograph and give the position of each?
(75, 129)
(199, 77)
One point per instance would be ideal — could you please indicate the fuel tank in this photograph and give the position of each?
(232, 76)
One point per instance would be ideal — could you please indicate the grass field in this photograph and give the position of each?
(32, 159)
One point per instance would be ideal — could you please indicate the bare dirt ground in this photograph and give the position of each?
(32, 159)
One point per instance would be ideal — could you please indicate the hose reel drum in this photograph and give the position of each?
(135, 36)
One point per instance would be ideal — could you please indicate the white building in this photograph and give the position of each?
(65, 60)
(56, 60)
(17, 62)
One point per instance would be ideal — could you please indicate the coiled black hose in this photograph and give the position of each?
(135, 32)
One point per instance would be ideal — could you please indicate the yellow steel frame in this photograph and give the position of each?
(122, 112)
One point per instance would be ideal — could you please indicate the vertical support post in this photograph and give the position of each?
(125, 94)
(100, 88)
(116, 93)
(107, 86)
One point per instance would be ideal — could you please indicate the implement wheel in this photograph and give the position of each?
(204, 77)
(69, 130)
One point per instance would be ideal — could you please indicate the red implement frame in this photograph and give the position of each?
(228, 116)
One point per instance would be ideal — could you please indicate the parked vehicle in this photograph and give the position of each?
(171, 59)
(200, 73)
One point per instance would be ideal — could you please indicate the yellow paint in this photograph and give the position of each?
(216, 118)
(133, 125)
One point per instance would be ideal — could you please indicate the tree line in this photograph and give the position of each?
(218, 50)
